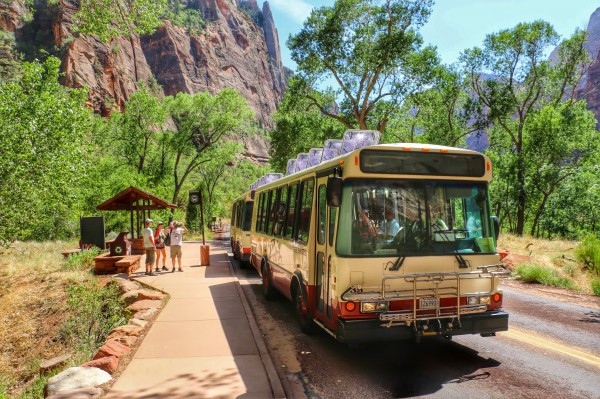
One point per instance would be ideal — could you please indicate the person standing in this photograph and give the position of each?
(159, 241)
(149, 245)
(177, 230)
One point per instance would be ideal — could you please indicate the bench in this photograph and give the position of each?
(69, 252)
(128, 264)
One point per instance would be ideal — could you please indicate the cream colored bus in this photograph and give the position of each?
(239, 231)
(384, 242)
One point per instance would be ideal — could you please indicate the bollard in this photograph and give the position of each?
(204, 255)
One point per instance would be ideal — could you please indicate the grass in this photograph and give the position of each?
(34, 278)
(552, 262)
(531, 273)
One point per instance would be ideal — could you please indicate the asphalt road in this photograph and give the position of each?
(552, 350)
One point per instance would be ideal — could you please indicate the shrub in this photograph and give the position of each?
(95, 311)
(83, 260)
(596, 287)
(544, 275)
(588, 252)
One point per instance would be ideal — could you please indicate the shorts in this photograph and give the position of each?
(149, 256)
(175, 251)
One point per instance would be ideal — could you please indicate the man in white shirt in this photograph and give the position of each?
(176, 232)
(390, 226)
(148, 235)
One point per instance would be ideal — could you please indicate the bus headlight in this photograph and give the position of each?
(370, 307)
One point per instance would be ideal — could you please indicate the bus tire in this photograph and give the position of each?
(305, 321)
(268, 290)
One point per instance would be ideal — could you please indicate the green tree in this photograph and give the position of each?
(512, 79)
(440, 114)
(202, 120)
(299, 126)
(44, 144)
(372, 50)
(219, 161)
(135, 133)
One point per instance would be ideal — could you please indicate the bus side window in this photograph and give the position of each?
(281, 212)
(306, 203)
(266, 210)
(291, 214)
(322, 209)
(260, 212)
(238, 216)
(273, 214)
(247, 216)
(233, 213)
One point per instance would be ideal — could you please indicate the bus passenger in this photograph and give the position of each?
(389, 227)
(364, 233)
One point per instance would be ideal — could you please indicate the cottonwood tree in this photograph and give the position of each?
(44, 153)
(373, 52)
(202, 120)
(135, 133)
(513, 80)
(299, 126)
(440, 114)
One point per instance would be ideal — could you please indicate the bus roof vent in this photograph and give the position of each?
(314, 156)
(331, 149)
(301, 161)
(291, 167)
(355, 139)
(270, 178)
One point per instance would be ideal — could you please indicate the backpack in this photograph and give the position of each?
(168, 240)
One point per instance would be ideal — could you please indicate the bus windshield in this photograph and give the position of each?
(409, 217)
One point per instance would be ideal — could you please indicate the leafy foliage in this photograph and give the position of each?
(588, 252)
(372, 50)
(181, 14)
(95, 311)
(299, 125)
(45, 153)
(518, 91)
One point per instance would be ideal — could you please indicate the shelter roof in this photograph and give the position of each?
(127, 199)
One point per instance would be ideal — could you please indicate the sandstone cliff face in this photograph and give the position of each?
(590, 86)
(233, 51)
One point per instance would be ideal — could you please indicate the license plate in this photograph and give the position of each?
(427, 303)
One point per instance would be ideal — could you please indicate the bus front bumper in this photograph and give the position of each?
(356, 331)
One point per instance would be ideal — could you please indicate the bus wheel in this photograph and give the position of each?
(305, 321)
(268, 289)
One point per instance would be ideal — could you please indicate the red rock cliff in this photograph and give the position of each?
(231, 52)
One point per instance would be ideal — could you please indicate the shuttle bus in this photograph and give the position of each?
(241, 221)
(386, 242)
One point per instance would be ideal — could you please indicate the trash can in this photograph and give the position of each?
(204, 255)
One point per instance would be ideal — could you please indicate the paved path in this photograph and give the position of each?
(205, 342)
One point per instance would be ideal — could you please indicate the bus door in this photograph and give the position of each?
(324, 225)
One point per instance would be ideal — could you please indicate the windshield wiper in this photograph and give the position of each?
(398, 263)
(462, 263)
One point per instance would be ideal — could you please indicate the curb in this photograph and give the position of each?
(276, 386)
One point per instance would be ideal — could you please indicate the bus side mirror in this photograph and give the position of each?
(496, 227)
(334, 191)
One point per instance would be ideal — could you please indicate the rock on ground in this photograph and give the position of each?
(75, 378)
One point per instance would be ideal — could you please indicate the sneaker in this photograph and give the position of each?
(157, 270)
(147, 273)
(165, 268)
(151, 274)
(172, 270)
(180, 269)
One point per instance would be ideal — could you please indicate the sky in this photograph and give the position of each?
(454, 25)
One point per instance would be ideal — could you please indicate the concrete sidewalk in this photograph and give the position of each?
(205, 342)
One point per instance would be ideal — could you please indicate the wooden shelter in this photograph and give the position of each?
(139, 203)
